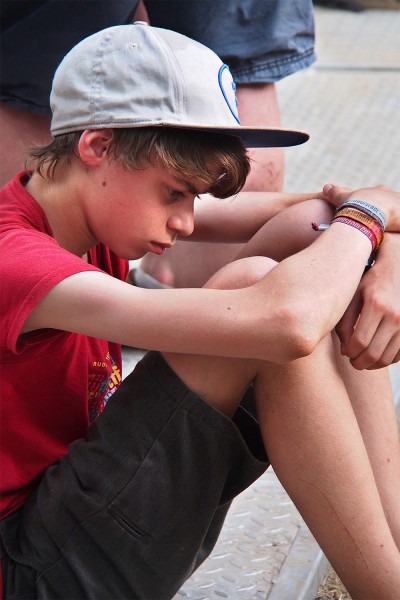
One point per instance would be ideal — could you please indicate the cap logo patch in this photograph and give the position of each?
(225, 82)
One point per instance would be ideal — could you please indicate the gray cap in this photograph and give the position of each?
(142, 76)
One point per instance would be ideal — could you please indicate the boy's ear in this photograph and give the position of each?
(94, 145)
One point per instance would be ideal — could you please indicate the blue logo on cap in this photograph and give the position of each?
(225, 95)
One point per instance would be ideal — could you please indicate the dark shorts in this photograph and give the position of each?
(262, 41)
(138, 505)
(35, 37)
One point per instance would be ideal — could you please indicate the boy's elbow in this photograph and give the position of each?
(300, 332)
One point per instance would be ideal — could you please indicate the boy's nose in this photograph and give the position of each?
(183, 223)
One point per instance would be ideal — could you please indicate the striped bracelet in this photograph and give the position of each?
(361, 227)
(365, 219)
(369, 209)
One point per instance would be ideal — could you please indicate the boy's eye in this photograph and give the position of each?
(176, 194)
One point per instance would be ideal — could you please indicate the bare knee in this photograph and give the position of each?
(241, 273)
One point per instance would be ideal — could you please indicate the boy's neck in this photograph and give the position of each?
(60, 201)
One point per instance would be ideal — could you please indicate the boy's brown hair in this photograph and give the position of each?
(218, 160)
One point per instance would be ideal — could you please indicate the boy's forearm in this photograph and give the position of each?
(237, 219)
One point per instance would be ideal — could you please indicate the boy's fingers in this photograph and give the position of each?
(346, 325)
(335, 194)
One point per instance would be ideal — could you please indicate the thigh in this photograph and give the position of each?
(135, 507)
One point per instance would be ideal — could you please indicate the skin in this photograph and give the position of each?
(276, 333)
(257, 105)
(25, 127)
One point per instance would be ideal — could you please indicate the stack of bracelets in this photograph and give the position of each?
(365, 217)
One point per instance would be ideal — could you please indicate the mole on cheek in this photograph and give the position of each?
(104, 183)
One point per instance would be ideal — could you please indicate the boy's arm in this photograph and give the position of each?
(237, 219)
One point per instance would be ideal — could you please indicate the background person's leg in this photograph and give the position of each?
(20, 129)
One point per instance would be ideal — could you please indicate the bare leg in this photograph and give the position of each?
(314, 443)
(372, 400)
(19, 129)
(369, 391)
(191, 265)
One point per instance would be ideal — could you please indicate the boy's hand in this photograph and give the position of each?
(381, 196)
(369, 330)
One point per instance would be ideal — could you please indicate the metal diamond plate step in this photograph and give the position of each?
(256, 539)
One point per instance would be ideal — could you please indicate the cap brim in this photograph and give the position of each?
(251, 137)
(268, 138)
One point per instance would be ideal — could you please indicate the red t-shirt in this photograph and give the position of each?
(53, 383)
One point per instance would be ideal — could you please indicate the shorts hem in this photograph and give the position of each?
(22, 104)
(260, 70)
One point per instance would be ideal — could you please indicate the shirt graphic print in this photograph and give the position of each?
(103, 380)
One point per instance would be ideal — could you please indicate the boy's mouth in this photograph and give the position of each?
(158, 248)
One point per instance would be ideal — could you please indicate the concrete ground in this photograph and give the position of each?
(349, 103)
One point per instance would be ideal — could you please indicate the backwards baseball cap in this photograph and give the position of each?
(141, 76)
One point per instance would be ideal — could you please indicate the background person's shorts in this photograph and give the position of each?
(261, 40)
(137, 506)
(35, 37)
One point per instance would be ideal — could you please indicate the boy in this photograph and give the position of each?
(144, 121)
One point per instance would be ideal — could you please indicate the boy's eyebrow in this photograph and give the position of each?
(188, 185)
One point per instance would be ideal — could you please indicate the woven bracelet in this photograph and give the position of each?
(371, 210)
(365, 219)
(363, 228)
(366, 231)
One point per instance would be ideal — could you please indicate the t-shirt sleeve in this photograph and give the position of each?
(31, 264)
